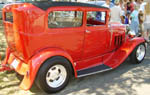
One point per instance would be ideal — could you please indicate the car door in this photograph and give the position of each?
(65, 26)
(96, 35)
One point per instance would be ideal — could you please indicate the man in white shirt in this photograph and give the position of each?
(141, 4)
(116, 14)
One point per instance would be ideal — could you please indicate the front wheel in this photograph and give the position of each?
(54, 75)
(138, 54)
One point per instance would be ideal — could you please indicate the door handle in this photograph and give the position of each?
(87, 31)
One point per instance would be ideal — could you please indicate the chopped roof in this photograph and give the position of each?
(46, 4)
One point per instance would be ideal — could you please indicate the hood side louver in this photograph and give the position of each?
(118, 40)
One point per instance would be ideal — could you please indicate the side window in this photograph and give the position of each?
(95, 18)
(62, 19)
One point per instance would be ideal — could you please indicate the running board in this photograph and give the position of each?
(93, 70)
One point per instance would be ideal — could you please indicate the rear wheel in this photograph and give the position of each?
(54, 74)
(138, 54)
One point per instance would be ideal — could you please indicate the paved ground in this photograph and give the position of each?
(127, 79)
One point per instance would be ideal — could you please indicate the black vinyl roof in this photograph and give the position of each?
(47, 4)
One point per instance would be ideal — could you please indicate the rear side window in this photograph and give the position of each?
(9, 16)
(62, 19)
(95, 18)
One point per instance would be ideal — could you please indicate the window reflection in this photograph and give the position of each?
(62, 19)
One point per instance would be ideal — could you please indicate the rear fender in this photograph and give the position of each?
(37, 60)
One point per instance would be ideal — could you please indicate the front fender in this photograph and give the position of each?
(117, 57)
(37, 60)
(132, 43)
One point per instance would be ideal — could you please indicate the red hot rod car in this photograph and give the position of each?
(50, 41)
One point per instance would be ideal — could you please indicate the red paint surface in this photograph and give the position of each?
(32, 42)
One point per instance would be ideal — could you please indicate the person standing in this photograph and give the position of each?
(112, 1)
(122, 4)
(147, 21)
(131, 5)
(107, 4)
(116, 14)
(141, 16)
(134, 20)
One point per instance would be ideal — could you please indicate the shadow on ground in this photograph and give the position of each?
(127, 79)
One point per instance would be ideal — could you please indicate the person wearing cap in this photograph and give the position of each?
(131, 5)
(116, 14)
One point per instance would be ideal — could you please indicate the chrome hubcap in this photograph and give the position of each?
(140, 52)
(56, 76)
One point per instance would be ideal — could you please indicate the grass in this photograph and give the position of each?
(3, 44)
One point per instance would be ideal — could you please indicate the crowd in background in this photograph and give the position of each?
(136, 13)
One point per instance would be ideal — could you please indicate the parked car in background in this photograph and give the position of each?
(100, 3)
(53, 41)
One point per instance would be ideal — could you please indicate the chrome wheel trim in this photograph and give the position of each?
(140, 53)
(56, 76)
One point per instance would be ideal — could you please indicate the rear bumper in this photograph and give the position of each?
(15, 63)
(21, 68)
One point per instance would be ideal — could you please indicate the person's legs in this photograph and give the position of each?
(134, 27)
(142, 30)
(147, 31)
(148, 35)
(137, 28)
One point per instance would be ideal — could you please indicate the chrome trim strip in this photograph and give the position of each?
(111, 35)
(94, 73)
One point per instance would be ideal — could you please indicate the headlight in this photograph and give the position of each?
(132, 34)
